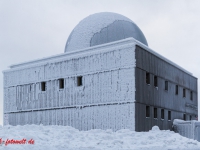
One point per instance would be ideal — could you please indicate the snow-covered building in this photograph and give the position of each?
(108, 78)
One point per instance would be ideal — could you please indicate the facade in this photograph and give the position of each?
(106, 79)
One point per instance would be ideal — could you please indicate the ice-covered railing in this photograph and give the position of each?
(189, 129)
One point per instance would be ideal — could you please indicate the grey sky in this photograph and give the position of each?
(31, 29)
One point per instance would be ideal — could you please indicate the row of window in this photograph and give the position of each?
(166, 85)
(61, 83)
(155, 114)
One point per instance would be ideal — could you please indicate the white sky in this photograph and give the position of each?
(31, 29)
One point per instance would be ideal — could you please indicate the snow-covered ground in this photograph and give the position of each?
(68, 138)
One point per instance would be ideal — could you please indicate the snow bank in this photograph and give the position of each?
(68, 138)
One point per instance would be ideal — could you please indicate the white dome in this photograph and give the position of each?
(102, 28)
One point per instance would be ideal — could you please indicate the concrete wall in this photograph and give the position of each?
(158, 97)
(108, 89)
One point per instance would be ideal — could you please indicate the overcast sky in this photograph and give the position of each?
(31, 29)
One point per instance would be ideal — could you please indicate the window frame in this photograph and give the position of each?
(43, 86)
(191, 95)
(166, 85)
(148, 78)
(184, 92)
(155, 113)
(79, 80)
(176, 90)
(61, 83)
(147, 111)
(169, 115)
(162, 116)
(155, 81)
(184, 117)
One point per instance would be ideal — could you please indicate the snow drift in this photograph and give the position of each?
(68, 138)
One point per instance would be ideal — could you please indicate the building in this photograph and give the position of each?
(108, 78)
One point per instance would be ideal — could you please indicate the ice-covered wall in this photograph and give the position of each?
(105, 100)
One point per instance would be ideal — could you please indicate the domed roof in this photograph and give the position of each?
(102, 28)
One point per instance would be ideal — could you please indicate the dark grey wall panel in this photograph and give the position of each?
(144, 123)
(159, 97)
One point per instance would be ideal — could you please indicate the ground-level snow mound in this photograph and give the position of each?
(67, 138)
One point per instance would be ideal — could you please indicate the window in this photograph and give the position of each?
(184, 117)
(162, 114)
(147, 78)
(147, 111)
(79, 81)
(61, 83)
(190, 117)
(191, 95)
(169, 115)
(43, 86)
(155, 81)
(184, 94)
(166, 85)
(176, 90)
(155, 113)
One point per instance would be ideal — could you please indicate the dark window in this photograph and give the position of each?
(184, 116)
(79, 81)
(43, 86)
(147, 78)
(190, 117)
(191, 95)
(61, 83)
(166, 85)
(155, 113)
(147, 111)
(176, 90)
(155, 81)
(162, 114)
(169, 115)
(184, 94)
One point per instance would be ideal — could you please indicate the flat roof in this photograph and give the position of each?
(74, 53)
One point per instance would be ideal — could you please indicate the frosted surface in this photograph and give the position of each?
(104, 101)
(118, 30)
(189, 129)
(67, 138)
(102, 28)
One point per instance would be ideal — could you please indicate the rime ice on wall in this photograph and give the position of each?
(105, 100)
(83, 118)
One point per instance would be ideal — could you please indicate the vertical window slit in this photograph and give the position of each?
(191, 95)
(147, 77)
(155, 81)
(147, 111)
(155, 113)
(184, 93)
(162, 114)
(79, 81)
(43, 86)
(176, 90)
(169, 115)
(166, 85)
(61, 83)
(184, 117)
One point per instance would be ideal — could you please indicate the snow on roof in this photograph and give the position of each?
(95, 49)
(55, 137)
(161, 57)
(102, 28)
